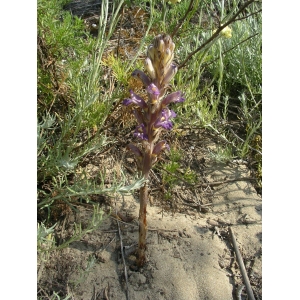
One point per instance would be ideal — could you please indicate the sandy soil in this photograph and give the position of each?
(190, 253)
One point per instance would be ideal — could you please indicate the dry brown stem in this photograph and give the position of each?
(142, 226)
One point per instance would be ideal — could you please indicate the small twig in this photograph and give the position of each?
(245, 17)
(119, 37)
(182, 19)
(239, 292)
(123, 222)
(123, 258)
(222, 182)
(42, 290)
(242, 266)
(166, 230)
(105, 292)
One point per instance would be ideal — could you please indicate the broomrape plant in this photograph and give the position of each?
(153, 116)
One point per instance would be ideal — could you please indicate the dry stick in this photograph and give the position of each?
(182, 19)
(215, 34)
(245, 17)
(239, 292)
(242, 266)
(124, 262)
(118, 46)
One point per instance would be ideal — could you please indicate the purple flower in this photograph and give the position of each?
(141, 76)
(135, 99)
(137, 152)
(140, 132)
(175, 97)
(153, 91)
(159, 147)
(164, 119)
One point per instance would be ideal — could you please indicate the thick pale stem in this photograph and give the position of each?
(142, 226)
(141, 259)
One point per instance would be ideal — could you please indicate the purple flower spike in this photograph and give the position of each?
(140, 132)
(164, 120)
(160, 146)
(135, 99)
(141, 76)
(175, 97)
(153, 91)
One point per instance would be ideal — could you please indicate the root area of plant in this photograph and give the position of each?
(189, 251)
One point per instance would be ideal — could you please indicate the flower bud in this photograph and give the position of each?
(156, 41)
(172, 46)
(170, 74)
(149, 68)
(159, 147)
(168, 57)
(167, 40)
(151, 52)
(161, 46)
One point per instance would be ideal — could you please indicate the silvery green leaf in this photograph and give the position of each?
(48, 121)
(136, 185)
(67, 163)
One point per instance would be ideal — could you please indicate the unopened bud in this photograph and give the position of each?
(161, 46)
(170, 74)
(151, 52)
(149, 68)
(168, 57)
(156, 41)
(167, 40)
(172, 46)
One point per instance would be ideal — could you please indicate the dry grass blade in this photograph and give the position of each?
(123, 258)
